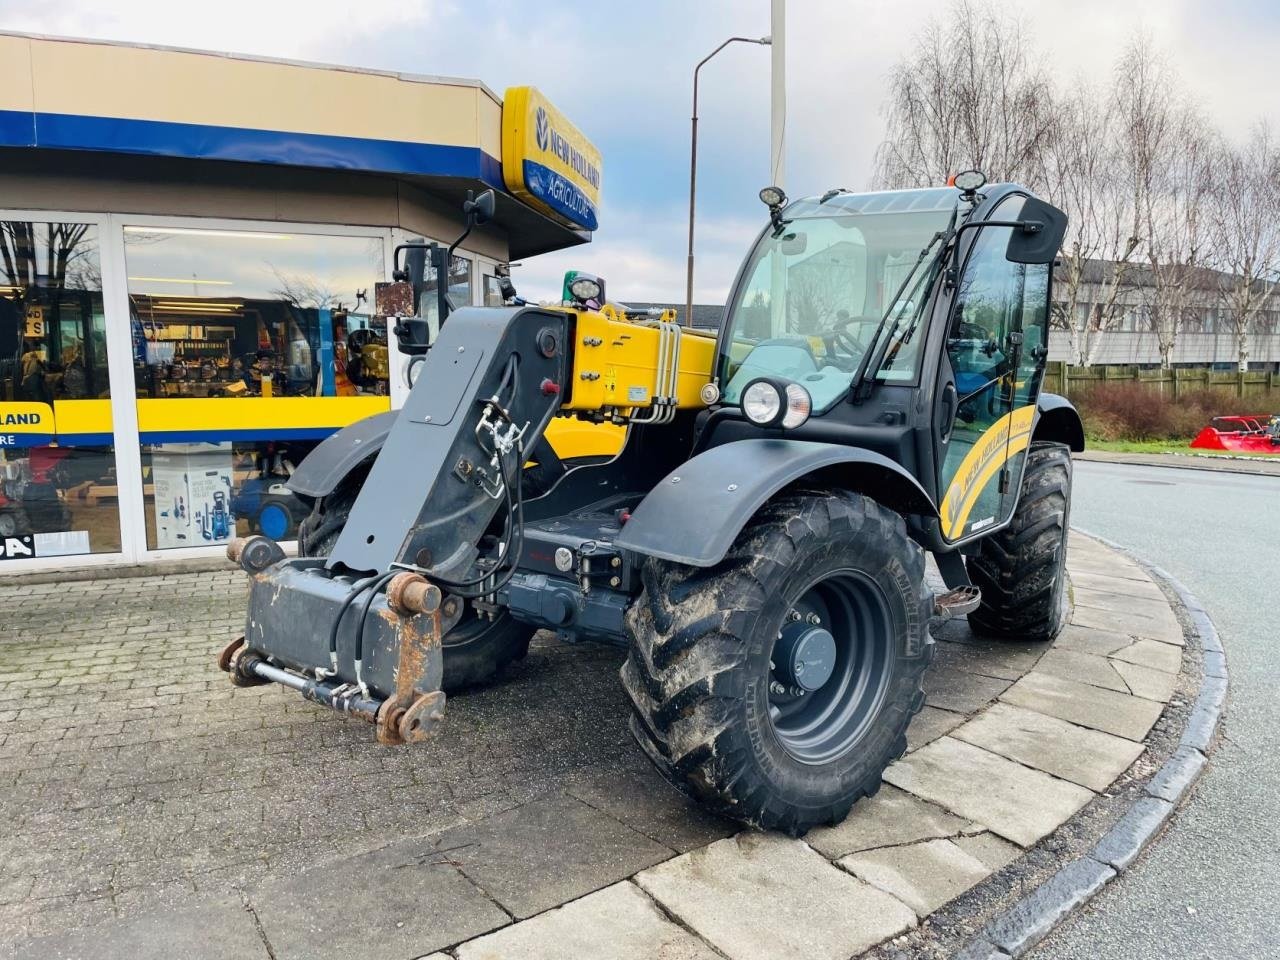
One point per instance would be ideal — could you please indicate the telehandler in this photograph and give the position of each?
(758, 539)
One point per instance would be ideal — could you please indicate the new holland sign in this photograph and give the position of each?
(26, 424)
(546, 161)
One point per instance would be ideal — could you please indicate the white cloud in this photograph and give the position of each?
(623, 73)
(290, 29)
(643, 258)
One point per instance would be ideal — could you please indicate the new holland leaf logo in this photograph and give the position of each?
(542, 129)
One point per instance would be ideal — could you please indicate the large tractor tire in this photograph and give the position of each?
(776, 686)
(475, 651)
(1022, 570)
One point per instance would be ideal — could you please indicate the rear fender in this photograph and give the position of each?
(1059, 422)
(696, 512)
(339, 453)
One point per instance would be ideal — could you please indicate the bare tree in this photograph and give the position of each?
(58, 248)
(1138, 120)
(1246, 234)
(303, 290)
(818, 287)
(972, 94)
(1176, 215)
(1088, 176)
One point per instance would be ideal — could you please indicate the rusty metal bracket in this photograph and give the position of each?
(421, 720)
(411, 714)
(229, 662)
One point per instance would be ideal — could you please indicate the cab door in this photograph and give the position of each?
(997, 339)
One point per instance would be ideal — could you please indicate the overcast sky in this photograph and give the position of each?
(622, 73)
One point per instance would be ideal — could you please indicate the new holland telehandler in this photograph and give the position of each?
(758, 539)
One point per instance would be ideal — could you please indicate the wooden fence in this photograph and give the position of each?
(1262, 387)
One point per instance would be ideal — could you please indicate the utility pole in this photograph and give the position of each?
(777, 156)
(778, 92)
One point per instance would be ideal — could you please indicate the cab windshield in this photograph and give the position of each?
(811, 297)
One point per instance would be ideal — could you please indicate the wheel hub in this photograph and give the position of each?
(805, 655)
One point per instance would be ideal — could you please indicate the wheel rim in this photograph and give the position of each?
(821, 725)
(8, 525)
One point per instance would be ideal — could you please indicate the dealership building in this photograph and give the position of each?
(189, 246)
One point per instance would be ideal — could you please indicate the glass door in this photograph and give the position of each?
(59, 485)
(994, 339)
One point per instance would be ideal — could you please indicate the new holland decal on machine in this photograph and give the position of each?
(1002, 442)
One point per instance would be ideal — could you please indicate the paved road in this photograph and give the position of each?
(1208, 887)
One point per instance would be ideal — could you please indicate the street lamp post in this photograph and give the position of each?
(693, 167)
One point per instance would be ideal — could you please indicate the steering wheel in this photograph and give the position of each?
(841, 339)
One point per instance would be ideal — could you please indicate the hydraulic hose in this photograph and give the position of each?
(377, 585)
(356, 589)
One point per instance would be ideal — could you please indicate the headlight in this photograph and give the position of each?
(762, 403)
(799, 405)
(767, 402)
(585, 288)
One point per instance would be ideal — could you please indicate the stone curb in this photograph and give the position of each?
(216, 562)
(1020, 927)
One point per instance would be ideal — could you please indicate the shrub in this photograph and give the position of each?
(1132, 411)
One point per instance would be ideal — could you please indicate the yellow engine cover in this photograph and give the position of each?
(616, 364)
(571, 438)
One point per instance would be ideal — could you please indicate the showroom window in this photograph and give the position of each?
(58, 490)
(493, 291)
(249, 347)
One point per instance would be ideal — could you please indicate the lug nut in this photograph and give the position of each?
(776, 687)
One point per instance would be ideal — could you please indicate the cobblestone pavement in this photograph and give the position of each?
(150, 803)
(132, 772)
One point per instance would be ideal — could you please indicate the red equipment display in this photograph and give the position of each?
(1241, 434)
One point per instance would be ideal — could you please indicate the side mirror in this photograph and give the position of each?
(1039, 236)
(480, 210)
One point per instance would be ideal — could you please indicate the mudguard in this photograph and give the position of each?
(1058, 420)
(339, 453)
(696, 512)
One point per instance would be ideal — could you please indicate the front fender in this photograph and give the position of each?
(339, 453)
(697, 511)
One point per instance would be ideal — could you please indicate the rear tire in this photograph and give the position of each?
(701, 671)
(475, 651)
(1022, 570)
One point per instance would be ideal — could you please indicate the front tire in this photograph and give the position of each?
(476, 650)
(1022, 570)
(710, 705)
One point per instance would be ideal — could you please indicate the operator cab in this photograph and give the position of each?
(911, 323)
(818, 283)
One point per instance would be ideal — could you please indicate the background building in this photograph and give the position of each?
(189, 244)
(1204, 334)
